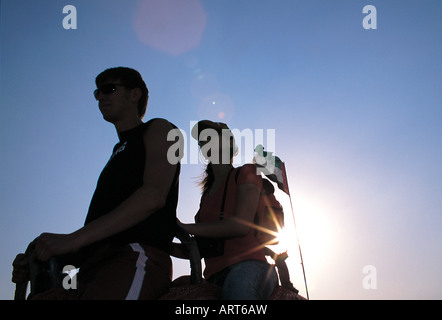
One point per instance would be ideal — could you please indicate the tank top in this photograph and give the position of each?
(239, 248)
(120, 178)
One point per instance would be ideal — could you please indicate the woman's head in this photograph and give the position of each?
(216, 141)
(217, 146)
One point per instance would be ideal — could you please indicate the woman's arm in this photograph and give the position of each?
(236, 226)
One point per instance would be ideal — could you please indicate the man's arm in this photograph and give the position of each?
(158, 178)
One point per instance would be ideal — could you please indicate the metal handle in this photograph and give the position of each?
(194, 255)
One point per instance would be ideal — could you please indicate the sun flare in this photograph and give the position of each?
(311, 235)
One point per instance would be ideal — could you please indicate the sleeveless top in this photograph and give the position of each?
(236, 249)
(121, 177)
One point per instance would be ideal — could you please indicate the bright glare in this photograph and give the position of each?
(313, 229)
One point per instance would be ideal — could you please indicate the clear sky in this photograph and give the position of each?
(357, 116)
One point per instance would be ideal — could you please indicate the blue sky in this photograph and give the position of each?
(356, 115)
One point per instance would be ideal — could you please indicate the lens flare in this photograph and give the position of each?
(171, 26)
(217, 106)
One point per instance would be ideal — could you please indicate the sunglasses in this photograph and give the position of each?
(107, 88)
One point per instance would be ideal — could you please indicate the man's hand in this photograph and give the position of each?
(51, 244)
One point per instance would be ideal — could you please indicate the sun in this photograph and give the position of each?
(312, 237)
(311, 227)
(306, 237)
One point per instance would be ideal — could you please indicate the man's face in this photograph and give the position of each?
(113, 100)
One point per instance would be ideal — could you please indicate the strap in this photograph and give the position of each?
(237, 174)
(221, 213)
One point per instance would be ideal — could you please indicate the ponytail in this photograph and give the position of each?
(208, 178)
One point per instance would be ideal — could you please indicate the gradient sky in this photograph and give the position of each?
(357, 117)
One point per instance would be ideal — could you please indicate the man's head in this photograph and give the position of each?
(124, 77)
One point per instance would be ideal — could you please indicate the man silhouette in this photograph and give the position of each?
(122, 249)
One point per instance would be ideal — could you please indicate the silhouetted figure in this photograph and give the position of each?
(122, 249)
(234, 259)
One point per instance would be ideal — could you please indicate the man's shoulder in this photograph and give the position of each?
(159, 130)
(158, 125)
(159, 122)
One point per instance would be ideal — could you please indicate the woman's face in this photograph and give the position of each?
(217, 148)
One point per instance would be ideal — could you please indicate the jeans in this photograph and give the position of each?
(246, 280)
